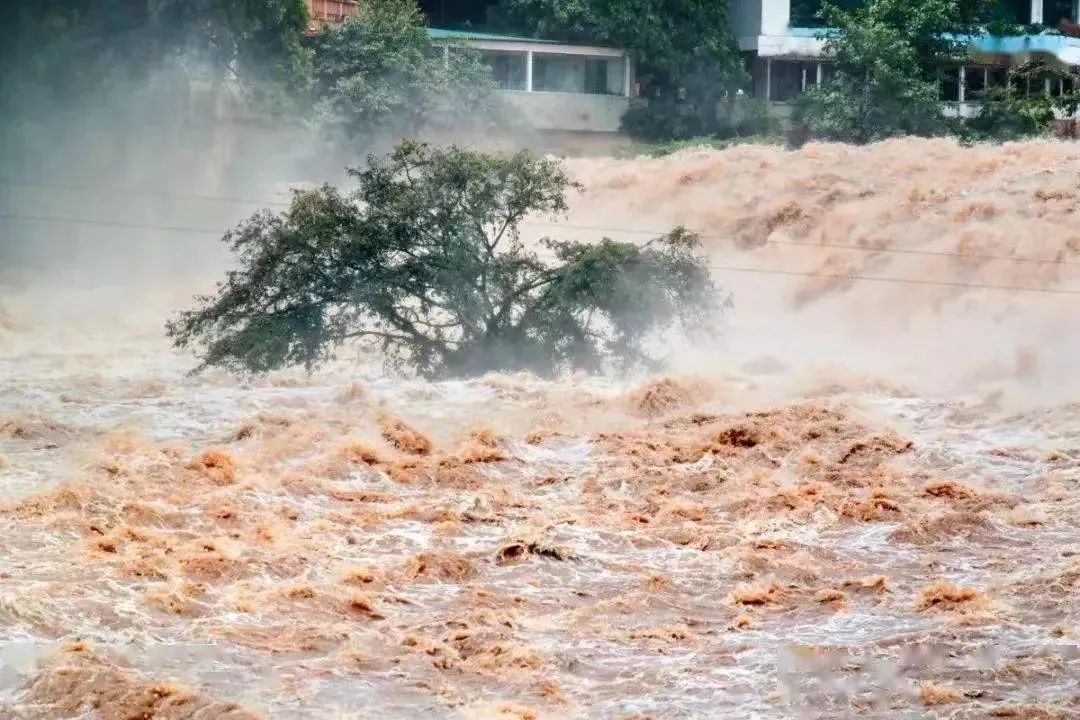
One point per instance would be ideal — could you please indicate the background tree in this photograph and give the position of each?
(1021, 107)
(90, 88)
(64, 50)
(888, 54)
(425, 262)
(379, 76)
(686, 54)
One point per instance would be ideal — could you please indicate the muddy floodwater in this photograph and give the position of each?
(858, 499)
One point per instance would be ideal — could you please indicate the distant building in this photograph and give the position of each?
(331, 12)
(581, 89)
(558, 87)
(784, 51)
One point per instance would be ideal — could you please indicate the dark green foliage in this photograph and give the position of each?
(807, 13)
(686, 55)
(887, 55)
(862, 110)
(379, 76)
(61, 51)
(118, 89)
(1011, 111)
(424, 261)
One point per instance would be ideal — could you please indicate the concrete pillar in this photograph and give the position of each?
(820, 73)
(768, 79)
(962, 84)
(528, 70)
(1036, 11)
(776, 16)
(627, 75)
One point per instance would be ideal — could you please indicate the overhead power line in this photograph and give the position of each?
(902, 281)
(722, 268)
(534, 223)
(831, 246)
(109, 223)
(145, 193)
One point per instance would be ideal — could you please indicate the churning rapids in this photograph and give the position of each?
(860, 499)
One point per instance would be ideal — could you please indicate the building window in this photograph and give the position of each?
(1018, 84)
(578, 74)
(949, 85)
(1016, 12)
(1060, 85)
(974, 82)
(508, 69)
(1054, 11)
(596, 76)
(809, 71)
(997, 77)
(785, 81)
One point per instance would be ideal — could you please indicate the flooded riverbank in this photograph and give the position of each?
(859, 498)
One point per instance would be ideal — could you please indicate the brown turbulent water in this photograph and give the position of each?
(861, 499)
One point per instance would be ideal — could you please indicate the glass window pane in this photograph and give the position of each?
(786, 81)
(508, 69)
(1054, 11)
(974, 82)
(559, 73)
(949, 86)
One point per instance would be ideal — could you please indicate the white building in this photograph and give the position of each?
(558, 87)
(785, 56)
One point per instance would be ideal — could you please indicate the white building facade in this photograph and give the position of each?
(785, 57)
(556, 86)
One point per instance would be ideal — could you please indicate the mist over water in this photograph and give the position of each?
(830, 508)
(924, 211)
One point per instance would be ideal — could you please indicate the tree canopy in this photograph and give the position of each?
(110, 88)
(887, 55)
(424, 261)
(378, 75)
(61, 50)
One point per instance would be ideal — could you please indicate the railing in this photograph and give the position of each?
(332, 11)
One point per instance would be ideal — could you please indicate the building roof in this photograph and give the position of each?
(440, 34)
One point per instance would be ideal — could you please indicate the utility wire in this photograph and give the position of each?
(723, 268)
(902, 281)
(145, 193)
(109, 223)
(537, 223)
(763, 271)
(834, 246)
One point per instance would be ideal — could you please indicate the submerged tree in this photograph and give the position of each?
(424, 261)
